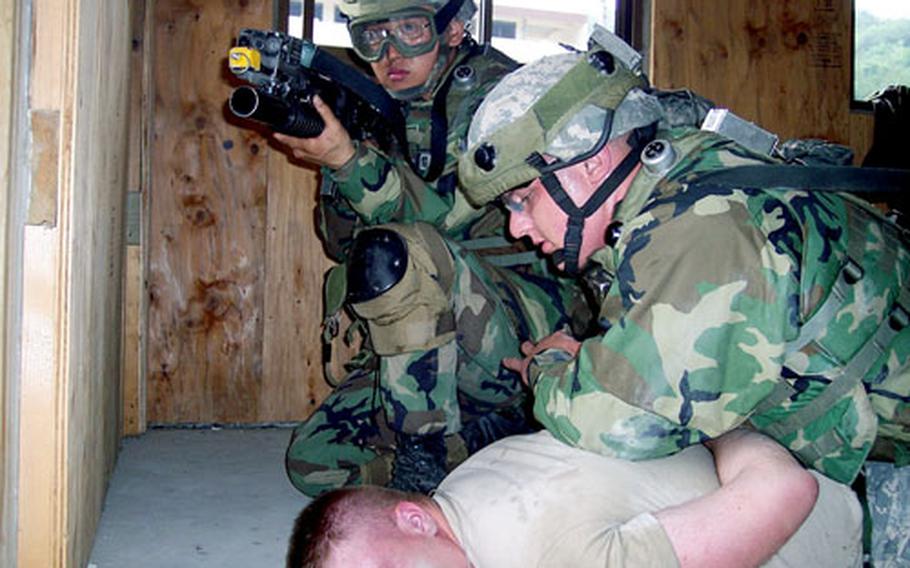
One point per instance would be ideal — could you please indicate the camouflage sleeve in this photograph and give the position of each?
(337, 225)
(382, 189)
(419, 390)
(696, 321)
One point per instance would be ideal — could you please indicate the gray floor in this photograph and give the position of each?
(198, 498)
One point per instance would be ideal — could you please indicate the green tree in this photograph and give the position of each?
(881, 54)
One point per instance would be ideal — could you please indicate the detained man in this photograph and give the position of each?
(533, 501)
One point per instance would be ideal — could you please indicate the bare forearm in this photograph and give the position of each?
(764, 497)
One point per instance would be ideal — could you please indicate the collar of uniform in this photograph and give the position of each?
(685, 141)
(462, 52)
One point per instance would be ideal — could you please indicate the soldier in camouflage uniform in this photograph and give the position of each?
(441, 310)
(721, 304)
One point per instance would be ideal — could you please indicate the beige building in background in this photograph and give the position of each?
(524, 30)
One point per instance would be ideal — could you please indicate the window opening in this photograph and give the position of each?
(523, 29)
(881, 47)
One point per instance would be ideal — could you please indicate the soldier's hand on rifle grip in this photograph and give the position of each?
(332, 148)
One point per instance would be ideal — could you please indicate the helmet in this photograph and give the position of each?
(419, 24)
(374, 24)
(567, 106)
(377, 9)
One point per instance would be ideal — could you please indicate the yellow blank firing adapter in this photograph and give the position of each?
(241, 59)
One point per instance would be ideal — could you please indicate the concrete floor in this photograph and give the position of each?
(190, 498)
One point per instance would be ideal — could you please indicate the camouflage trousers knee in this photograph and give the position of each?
(888, 493)
(348, 441)
(334, 446)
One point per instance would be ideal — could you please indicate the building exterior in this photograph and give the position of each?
(526, 30)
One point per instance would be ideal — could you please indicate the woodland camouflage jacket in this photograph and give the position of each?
(727, 306)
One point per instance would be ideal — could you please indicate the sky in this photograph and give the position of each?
(888, 9)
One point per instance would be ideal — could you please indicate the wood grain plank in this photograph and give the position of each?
(133, 383)
(293, 382)
(133, 394)
(783, 65)
(207, 223)
(95, 158)
(9, 386)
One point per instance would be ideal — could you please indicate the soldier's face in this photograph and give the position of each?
(534, 214)
(396, 72)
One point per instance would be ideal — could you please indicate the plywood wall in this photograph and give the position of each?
(8, 416)
(234, 265)
(95, 208)
(71, 306)
(133, 382)
(783, 65)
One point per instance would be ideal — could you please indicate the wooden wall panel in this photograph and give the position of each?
(42, 452)
(133, 385)
(207, 222)
(783, 65)
(235, 266)
(134, 314)
(96, 160)
(70, 353)
(9, 418)
(292, 375)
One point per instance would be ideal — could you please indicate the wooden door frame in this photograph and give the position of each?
(42, 494)
(62, 219)
(12, 88)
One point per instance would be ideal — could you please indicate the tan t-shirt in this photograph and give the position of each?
(531, 501)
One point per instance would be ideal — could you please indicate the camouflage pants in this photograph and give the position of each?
(888, 491)
(348, 440)
(439, 385)
(335, 445)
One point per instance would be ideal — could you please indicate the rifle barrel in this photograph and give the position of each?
(297, 120)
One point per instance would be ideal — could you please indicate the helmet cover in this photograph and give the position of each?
(559, 105)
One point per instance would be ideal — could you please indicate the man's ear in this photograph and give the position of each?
(454, 33)
(602, 164)
(598, 166)
(413, 519)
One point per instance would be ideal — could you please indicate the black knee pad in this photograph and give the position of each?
(377, 261)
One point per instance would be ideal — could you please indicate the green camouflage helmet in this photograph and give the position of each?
(357, 10)
(557, 106)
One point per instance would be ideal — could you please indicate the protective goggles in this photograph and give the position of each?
(412, 35)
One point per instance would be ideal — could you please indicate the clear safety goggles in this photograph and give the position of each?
(411, 34)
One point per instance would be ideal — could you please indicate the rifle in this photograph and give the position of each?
(285, 72)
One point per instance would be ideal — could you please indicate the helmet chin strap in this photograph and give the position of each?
(569, 254)
(444, 16)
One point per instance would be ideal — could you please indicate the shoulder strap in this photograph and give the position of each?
(824, 178)
(439, 124)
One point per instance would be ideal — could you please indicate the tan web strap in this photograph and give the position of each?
(845, 381)
(510, 259)
(858, 366)
(850, 273)
(440, 255)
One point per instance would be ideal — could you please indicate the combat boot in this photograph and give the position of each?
(420, 462)
(506, 421)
